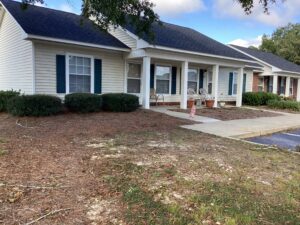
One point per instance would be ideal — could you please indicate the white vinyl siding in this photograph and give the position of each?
(113, 66)
(124, 37)
(16, 57)
(224, 83)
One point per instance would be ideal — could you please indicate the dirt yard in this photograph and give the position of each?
(230, 113)
(139, 168)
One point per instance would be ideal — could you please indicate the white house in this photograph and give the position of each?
(278, 76)
(46, 51)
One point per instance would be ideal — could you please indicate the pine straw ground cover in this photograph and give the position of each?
(139, 168)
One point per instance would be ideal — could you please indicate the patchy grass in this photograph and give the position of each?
(141, 169)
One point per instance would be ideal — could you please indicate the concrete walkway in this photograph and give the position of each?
(243, 128)
(199, 119)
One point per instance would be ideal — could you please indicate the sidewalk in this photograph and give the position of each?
(243, 128)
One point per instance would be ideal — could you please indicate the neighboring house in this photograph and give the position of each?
(278, 75)
(45, 51)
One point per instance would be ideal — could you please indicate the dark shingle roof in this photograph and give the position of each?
(250, 65)
(271, 59)
(183, 38)
(60, 25)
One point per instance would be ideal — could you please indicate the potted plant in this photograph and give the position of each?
(209, 101)
(190, 102)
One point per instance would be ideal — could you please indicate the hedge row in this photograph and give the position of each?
(5, 96)
(259, 98)
(46, 105)
(281, 104)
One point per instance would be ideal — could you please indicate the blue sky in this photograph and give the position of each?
(223, 20)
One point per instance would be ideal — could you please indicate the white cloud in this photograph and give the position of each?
(177, 7)
(280, 14)
(247, 42)
(66, 7)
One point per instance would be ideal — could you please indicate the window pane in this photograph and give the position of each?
(234, 85)
(87, 62)
(73, 69)
(79, 70)
(87, 70)
(80, 84)
(162, 86)
(72, 60)
(134, 70)
(209, 91)
(134, 86)
(193, 75)
(79, 61)
(193, 85)
(163, 72)
(234, 89)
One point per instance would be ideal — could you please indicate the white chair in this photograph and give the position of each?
(203, 95)
(155, 96)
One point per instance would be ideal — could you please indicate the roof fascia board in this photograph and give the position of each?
(198, 53)
(36, 37)
(285, 71)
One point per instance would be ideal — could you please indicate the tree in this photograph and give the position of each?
(285, 42)
(138, 13)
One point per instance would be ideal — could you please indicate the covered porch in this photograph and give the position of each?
(171, 75)
(284, 85)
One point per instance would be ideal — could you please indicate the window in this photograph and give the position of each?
(270, 85)
(80, 74)
(282, 85)
(291, 87)
(260, 84)
(209, 82)
(163, 75)
(234, 83)
(193, 80)
(134, 78)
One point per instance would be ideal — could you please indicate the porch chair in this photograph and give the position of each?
(203, 95)
(155, 96)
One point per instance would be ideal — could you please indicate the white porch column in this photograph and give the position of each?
(146, 82)
(298, 90)
(184, 84)
(239, 94)
(275, 84)
(287, 86)
(215, 83)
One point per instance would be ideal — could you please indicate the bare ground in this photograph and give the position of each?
(231, 113)
(139, 168)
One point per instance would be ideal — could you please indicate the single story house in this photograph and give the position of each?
(278, 75)
(46, 51)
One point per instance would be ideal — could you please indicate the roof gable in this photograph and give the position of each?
(183, 38)
(271, 59)
(56, 24)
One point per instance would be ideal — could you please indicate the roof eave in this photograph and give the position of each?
(64, 41)
(198, 53)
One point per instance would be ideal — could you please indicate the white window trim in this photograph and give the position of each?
(68, 70)
(132, 78)
(170, 78)
(198, 74)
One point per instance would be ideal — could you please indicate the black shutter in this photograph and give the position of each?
(244, 82)
(201, 78)
(152, 71)
(61, 74)
(98, 76)
(230, 83)
(174, 80)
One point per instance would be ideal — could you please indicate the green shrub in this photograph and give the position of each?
(83, 102)
(281, 104)
(4, 97)
(34, 105)
(259, 98)
(120, 102)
